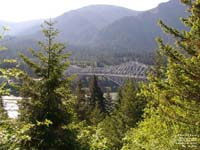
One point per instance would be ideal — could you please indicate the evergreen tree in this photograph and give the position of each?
(109, 102)
(118, 98)
(46, 100)
(112, 129)
(183, 68)
(96, 104)
(131, 107)
(96, 95)
(81, 103)
(173, 94)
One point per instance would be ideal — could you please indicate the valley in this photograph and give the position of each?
(100, 76)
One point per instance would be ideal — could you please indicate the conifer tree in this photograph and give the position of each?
(183, 68)
(81, 103)
(109, 102)
(131, 107)
(97, 106)
(173, 94)
(113, 128)
(46, 99)
(96, 95)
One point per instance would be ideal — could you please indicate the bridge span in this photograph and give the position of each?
(115, 73)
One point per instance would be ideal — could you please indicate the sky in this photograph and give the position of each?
(24, 10)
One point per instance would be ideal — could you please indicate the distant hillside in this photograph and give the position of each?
(101, 31)
(137, 33)
(79, 26)
(98, 15)
(76, 27)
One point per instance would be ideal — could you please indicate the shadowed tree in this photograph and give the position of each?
(97, 106)
(81, 102)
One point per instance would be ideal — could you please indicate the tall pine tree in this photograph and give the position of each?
(97, 105)
(46, 99)
(81, 102)
(173, 111)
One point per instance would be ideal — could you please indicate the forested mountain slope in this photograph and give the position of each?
(137, 33)
(105, 30)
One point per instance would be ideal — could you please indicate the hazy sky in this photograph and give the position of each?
(21, 10)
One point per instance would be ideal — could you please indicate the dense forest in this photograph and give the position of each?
(162, 113)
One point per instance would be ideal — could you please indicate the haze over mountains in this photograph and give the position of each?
(99, 29)
(137, 33)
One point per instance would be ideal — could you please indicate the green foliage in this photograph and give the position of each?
(156, 133)
(152, 134)
(96, 104)
(173, 93)
(47, 100)
(85, 134)
(132, 105)
(183, 82)
(170, 120)
(112, 129)
(109, 133)
(10, 134)
(8, 71)
(110, 105)
(96, 95)
(13, 134)
(99, 141)
(95, 115)
(81, 102)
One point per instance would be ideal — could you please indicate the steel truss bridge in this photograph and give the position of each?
(117, 73)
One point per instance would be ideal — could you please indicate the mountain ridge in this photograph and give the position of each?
(94, 30)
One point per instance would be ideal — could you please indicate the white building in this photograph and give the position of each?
(10, 105)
